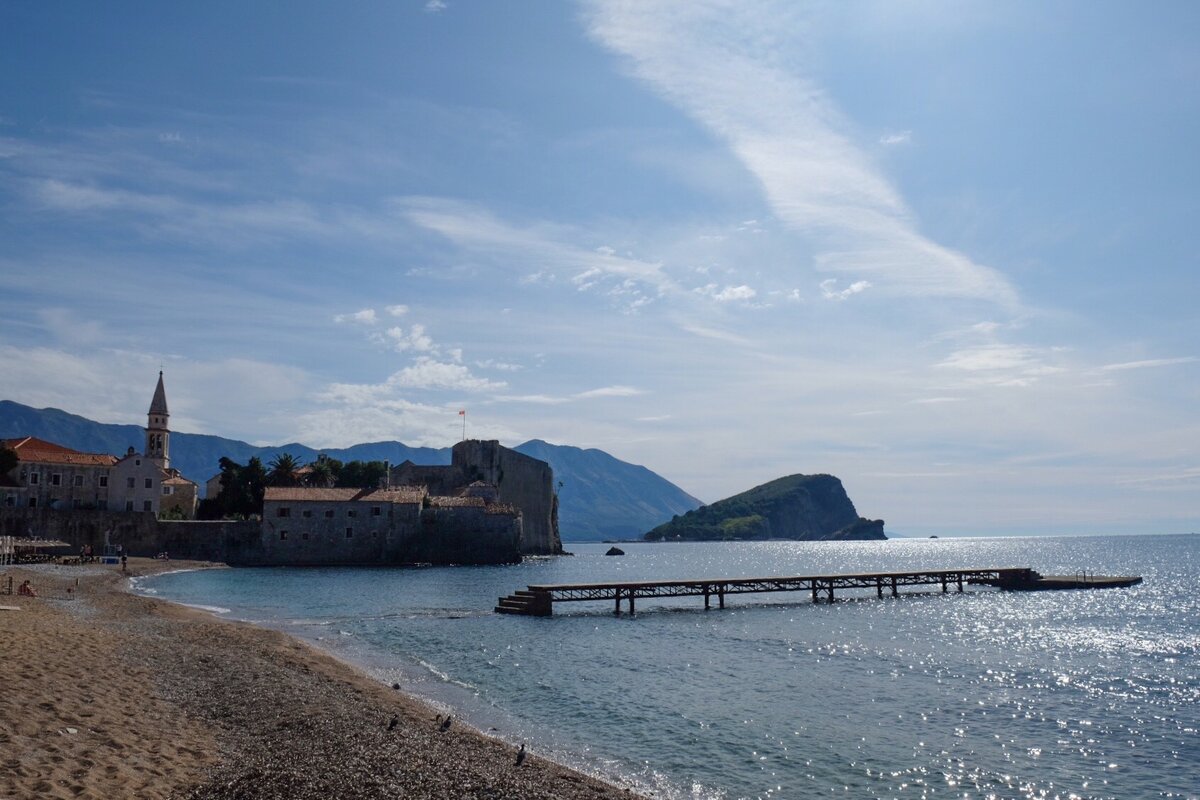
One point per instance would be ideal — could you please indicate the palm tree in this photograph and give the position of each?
(283, 470)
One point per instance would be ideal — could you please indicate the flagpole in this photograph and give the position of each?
(463, 414)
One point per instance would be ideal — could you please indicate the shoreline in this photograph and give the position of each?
(117, 694)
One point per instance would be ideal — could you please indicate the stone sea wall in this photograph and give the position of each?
(436, 536)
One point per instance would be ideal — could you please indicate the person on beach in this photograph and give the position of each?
(123, 562)
(26, 590)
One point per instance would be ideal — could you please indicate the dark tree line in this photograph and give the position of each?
(243, 486)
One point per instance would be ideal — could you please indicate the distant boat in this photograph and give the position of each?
(933, 537)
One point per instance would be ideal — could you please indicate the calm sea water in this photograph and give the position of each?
(1081, 694)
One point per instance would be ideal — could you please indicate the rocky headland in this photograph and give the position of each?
(801, 507)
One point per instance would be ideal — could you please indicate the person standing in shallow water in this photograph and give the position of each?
(124, 560)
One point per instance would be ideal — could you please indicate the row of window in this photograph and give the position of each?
(283, 535)
(285, 511)
(77, 480)
(101, 505)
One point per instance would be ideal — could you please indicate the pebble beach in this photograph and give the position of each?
(113, 695)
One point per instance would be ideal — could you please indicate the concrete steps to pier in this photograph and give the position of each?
(525, 602)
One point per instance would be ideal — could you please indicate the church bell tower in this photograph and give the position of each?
(158, 437)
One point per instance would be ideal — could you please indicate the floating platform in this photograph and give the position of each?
(538, 600)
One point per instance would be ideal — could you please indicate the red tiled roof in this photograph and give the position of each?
(312, 494)
(396, 494)
(178, 481)
(34, 450)
(316, 494)
(456, 502)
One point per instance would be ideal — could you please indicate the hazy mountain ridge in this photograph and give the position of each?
(600, 496)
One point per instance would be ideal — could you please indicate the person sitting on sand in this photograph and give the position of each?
(25, 590)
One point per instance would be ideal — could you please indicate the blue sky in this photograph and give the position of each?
(945, 251)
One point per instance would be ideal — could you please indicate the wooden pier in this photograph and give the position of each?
(539, 599)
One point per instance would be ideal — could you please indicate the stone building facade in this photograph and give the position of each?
(406, 525)
(521, 481)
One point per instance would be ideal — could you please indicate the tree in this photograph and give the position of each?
(283, 470)
(323, 472)
(362, 474)
(241, 491)
(8, 460)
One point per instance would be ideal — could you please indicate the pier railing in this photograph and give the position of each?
(539, 599)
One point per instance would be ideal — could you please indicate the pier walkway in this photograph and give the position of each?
(539, 599)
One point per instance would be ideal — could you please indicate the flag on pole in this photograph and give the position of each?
(462, 413)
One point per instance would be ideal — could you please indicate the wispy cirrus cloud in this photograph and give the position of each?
(721, 63)
(1149, 363)
(541, 245)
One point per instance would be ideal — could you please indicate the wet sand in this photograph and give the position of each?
(113, 695)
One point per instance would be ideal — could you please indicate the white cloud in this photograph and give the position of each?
(1153, 362)
(428, 373)
(435, 6)
(364, 317)
(830, 292)
(727, 295)
(610, 391)
(544, 246)
(896, 138)
(720, 63)
(414, 339)
(397, 310)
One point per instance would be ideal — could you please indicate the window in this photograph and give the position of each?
(149, 483)
(304, 536)
(129, 483)
(56, 479)
(103, 481)
(349, 533)
(352, 513)
(147, 505)
(129, 503)
(33, 479)
(375, 511)
(137, 462)
(168, 489)
(306, 514)
(283, 512)
(33, 502)
(283, 536)
(329, 514)
(77, 480)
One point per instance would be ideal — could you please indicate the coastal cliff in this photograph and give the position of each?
(802, 507)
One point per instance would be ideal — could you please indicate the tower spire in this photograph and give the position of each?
(158, 436)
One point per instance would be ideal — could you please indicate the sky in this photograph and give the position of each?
(947, 252)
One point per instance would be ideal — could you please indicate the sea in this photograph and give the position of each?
(985, 694)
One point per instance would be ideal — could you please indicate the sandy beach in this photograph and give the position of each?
(113, 695)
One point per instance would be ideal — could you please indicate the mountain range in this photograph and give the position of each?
(600, 497)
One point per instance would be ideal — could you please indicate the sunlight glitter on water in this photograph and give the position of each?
(975, 695)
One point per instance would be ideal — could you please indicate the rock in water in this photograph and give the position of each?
(615, 551)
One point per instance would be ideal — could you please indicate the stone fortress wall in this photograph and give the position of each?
(521, 481)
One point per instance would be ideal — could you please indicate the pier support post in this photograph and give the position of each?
(960, 587)
(879, 587)
(631, 595)
(895, 591)
(706, 598)
(814, 592)
(617, 610)
(944, 589)
(721, 596)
